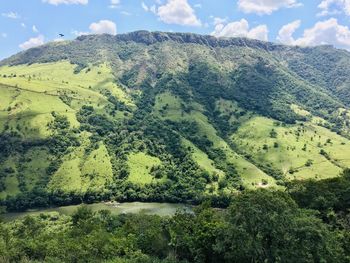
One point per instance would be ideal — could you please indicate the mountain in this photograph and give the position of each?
(168, 117)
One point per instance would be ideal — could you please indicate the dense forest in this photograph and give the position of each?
(308, 222)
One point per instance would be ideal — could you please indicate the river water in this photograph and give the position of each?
(162, 209)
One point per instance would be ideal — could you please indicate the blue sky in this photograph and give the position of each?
(28, 23)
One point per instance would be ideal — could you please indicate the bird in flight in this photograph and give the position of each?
(61, 35)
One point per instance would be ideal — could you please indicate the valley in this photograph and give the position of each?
(172, 147)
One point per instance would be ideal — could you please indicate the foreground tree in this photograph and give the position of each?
(264, 226)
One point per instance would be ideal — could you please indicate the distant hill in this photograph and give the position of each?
(168, 116)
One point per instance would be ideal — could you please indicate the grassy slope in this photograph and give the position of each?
(202, 158)
(80, 171)
(35, 165)
(291, 152)
(34, 93)
(97, 168)
(31, 112)
(251, 175)
(26, 103)
(11, 181)
(140, 165)
(254, 133)
(32, 166)
(27, 100)
(51, 77)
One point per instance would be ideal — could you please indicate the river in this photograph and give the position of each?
(162, 209)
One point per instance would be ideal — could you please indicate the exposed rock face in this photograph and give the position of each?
(150, 38)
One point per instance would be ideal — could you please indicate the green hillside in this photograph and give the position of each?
(168, 117)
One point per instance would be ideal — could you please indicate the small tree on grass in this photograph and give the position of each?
(309, 163)
(273, 133)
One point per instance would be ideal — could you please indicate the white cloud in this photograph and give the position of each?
(327, 32)
(35, 29)
(144, 6)
(125, 13)
(79, 33)
(332, 7)
(198, 5)
(219, 20)
(3, 35)
(12, 15)
(241, 29)
(103, 27)
(114, 4)
(178, 12)
(23, 25)
(285, 35)
(265, 7)
(66, 2)
(260, 32)
(33, 42)
(153, 9)
(233, 29)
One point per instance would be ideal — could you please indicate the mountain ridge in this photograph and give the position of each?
(168, 117)
(149, 38)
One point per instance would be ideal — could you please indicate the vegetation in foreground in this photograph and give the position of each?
(307, 223)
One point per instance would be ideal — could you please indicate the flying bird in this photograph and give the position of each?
(61, 35)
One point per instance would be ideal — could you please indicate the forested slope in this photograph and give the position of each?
(168, 116)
